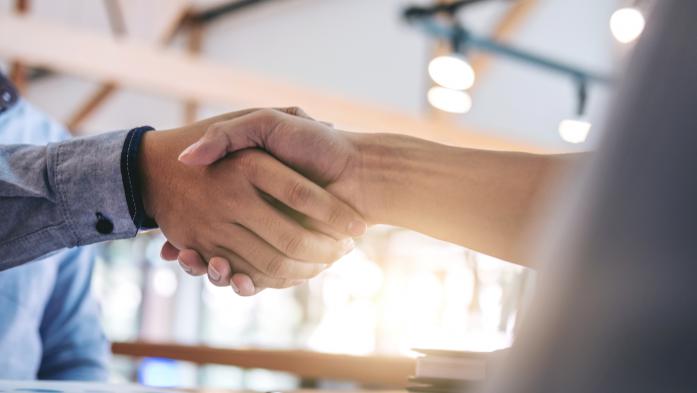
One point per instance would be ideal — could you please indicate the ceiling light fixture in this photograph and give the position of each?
(449, 100)
(627, 24)
(574, 130)
(452, 71)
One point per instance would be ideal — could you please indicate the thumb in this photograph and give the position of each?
(231, 135)
(234, 134)
(205, 151)
(224, 137)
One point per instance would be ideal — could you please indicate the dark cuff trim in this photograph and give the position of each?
(130, 176)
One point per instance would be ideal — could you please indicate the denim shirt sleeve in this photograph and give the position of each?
(61, 195)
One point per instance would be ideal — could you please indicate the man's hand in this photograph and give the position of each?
(230, 210)
(327, 156)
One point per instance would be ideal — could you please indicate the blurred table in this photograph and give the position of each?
(295, 391)
(383, 371)
(89, 387)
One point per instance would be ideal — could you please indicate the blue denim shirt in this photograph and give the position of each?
(49, 322)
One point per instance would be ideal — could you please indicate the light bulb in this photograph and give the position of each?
(574, 130)
(627, 24)
(452, 71)
(448, 100)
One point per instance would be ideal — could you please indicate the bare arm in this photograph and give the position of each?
(480, 199)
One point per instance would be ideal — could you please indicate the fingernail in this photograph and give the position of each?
(357, 228)
(213, 274)
(234, 287)
(189, 149)
(184, 267)
(249, 289)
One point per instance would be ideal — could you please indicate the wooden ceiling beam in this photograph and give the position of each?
(18, 71)
(504, 29)
(181, 76)
(168, 16)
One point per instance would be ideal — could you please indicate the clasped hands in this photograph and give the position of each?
(255, 199)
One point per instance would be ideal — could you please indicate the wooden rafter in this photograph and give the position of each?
(160, 31)
(18, 71)
(194, 47)
(503, 31)
(181, 76)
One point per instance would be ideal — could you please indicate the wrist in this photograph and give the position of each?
(381, 168)
(398, 174)
(149, 155)
(159, 170)
(131, 177)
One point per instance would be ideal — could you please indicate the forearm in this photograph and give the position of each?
(483, 200)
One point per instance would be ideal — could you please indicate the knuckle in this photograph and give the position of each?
(284, 283)
(215, 131)
(268, 113)
(268, 118)
(247, 163)
(298, 194)
(336, 215)
(295, 245)
(263, 281)
(259, 280)
(295, 111)
(276, 267)
(215, 128)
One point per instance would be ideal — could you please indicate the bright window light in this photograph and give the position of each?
(164, 282)
(627, 24)
(453, 72)
(574, 130)
(448, 100)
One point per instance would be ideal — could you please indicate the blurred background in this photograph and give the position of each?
(533, 75)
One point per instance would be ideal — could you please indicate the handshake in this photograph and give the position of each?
(256, 199)
(270, 198)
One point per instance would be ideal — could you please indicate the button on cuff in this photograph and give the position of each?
(104, 225)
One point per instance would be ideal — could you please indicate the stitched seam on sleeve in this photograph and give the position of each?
(23, 237)
(61, 195)
(27, 244)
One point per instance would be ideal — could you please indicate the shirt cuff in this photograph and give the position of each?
(90, 189)
(131, 179)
